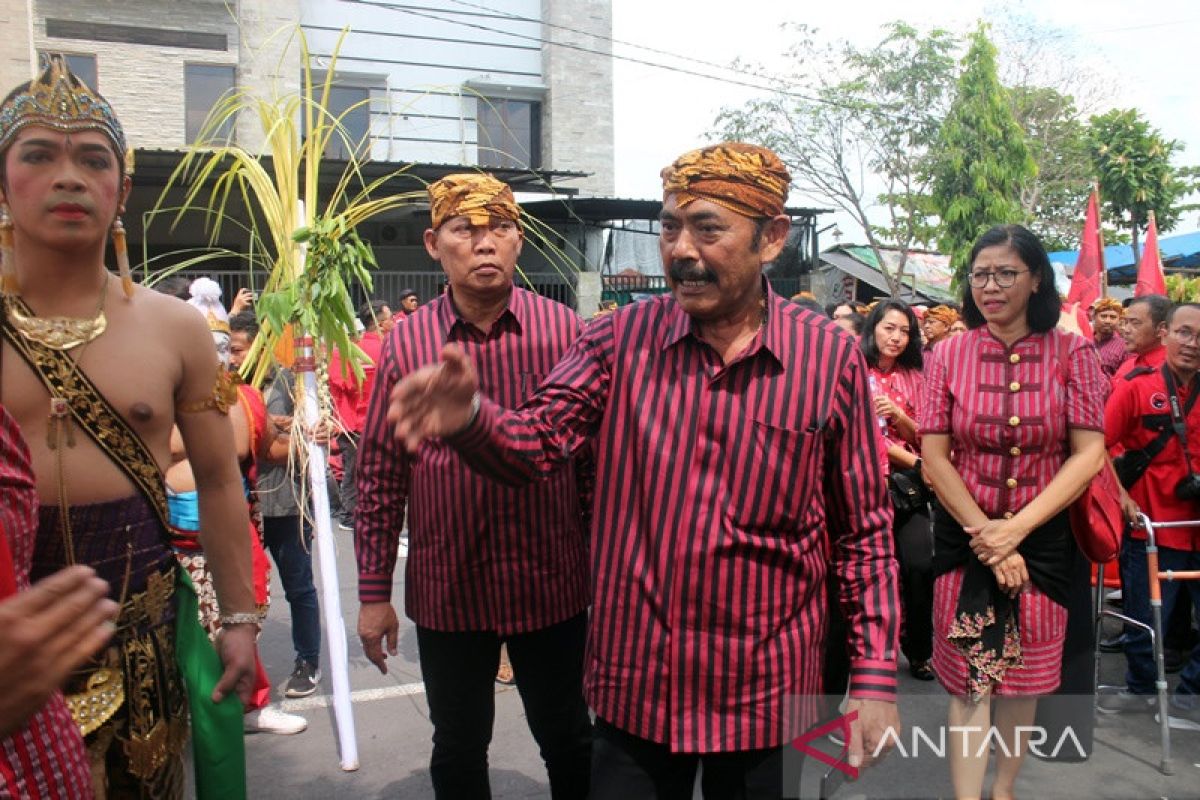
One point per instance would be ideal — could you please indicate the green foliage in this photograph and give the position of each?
(981, 160)
(1053, 199)
(877, 119)
(1132, 161)
(1183, 290)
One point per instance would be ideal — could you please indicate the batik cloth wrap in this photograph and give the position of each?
(744, 178)
(129, 702)
(1108, 304)
(476, 196)
(944, 314)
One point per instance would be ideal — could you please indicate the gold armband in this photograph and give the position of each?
(224, 395)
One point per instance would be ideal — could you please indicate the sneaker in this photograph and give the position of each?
(272, 720)
(1126, 702)
(303, 680)
(345, 526)
(1183, 715)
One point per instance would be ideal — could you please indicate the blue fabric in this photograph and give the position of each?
(1135, 595)
(292, 552)
(184, 508)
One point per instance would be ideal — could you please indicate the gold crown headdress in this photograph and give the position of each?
(59, 100)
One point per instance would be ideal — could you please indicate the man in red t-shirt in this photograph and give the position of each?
(350, 400)
(1142, 328)
(1138, 412)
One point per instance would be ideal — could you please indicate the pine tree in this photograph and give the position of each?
(981, 161)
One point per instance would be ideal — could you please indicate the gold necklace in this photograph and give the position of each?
(58, 333)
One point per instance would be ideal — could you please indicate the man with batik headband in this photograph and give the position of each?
(488, 564)
(1106, 319)
(96, 397)
(936, 324)
(737, 457)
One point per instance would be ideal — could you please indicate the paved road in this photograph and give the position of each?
(391, 718)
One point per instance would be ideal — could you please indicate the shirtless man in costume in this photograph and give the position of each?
(96, 397)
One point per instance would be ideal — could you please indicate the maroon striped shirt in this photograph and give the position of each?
(1008, 410)
(45, 758)
(481, 555)
(722, 493)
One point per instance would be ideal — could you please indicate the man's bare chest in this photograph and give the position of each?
(139, 387)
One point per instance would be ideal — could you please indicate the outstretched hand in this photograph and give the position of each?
(435, 400)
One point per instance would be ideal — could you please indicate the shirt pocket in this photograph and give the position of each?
(775, 479)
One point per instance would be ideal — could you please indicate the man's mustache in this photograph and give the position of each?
(690, 271)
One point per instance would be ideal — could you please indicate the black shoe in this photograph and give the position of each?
(303, 680)
(1173, 661)
(1113, 644)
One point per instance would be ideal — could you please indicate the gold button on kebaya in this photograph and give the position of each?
(1011, 483)
(1014, 387)
(1008, 515)
(1015, 451)
(1014, 359)
(1014, 421)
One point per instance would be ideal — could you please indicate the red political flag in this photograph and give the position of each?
(1085, 283)
(1150, 271)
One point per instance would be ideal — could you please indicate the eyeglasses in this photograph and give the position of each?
(1186, 336)
(1005, 278)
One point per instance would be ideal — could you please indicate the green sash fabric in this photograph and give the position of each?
(218, 747)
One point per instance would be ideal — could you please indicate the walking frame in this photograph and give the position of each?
(1155, 629)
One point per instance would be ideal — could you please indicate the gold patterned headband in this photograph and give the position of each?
(59, 100)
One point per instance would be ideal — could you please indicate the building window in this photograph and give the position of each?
(510, 133)
(351, 103)
(84, 67)
(204, 85)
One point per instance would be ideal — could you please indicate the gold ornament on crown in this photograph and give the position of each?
(59, 100)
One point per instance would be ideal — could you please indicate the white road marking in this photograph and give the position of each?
(360, 696)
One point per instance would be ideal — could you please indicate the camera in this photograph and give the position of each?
(1188, 488)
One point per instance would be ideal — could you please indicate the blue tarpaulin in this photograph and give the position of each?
(1178, 252)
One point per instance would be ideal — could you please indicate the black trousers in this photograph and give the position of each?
(913, 535)
(1073, 705)
(625, 767)
(459, 670)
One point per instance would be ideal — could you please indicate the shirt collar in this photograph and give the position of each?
(517, 310)
(771, 338)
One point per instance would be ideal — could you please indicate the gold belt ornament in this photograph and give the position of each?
(143, 659)
(101, 698)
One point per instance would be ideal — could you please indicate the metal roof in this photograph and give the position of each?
(153, 167)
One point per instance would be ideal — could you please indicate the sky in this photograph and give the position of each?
(660, 113)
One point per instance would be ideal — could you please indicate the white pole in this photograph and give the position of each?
(331, 604)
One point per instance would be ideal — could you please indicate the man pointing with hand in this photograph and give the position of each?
(737, 456)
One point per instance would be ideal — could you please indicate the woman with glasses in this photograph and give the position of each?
(891, 343)
(1011, 432)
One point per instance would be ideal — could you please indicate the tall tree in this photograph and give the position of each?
(1053, 199)
(981, 161)
(858, 140)
(1132, 161)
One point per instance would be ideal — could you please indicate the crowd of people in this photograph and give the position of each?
(684, 520)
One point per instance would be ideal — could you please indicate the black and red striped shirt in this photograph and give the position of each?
(722, 493)
(481, 555)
